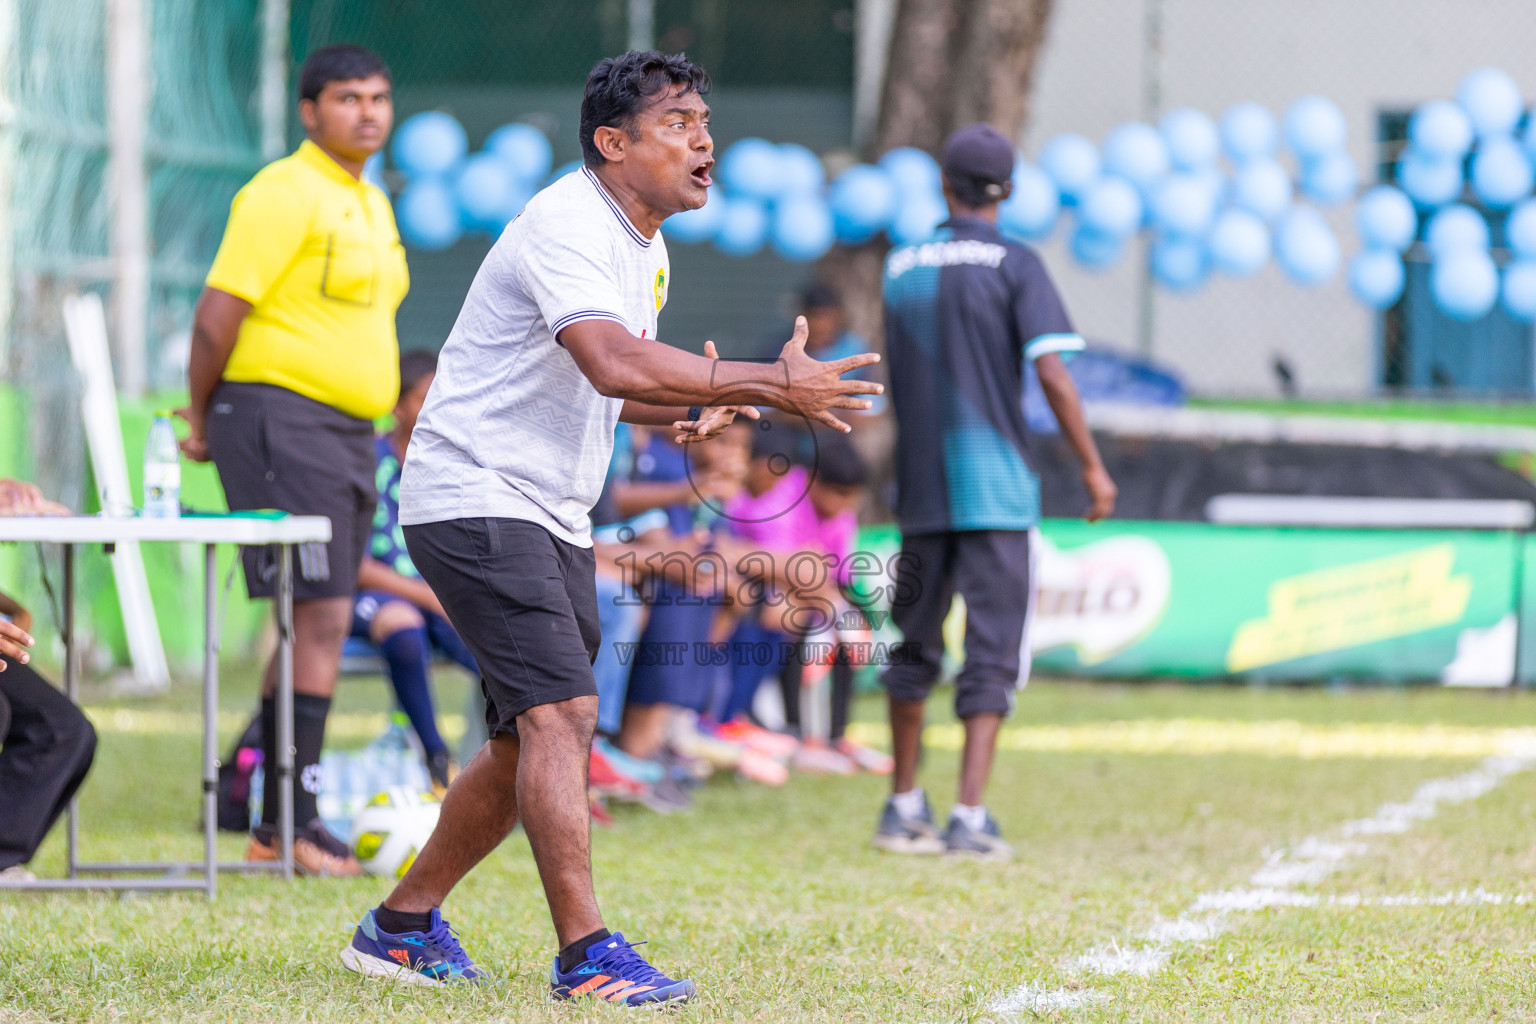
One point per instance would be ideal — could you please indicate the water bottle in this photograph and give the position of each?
(162, 470)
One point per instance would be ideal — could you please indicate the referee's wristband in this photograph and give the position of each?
(694, 412)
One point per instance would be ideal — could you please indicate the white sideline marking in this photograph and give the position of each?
(1275, 884)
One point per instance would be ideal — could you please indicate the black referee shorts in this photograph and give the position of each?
(275, 448)
(525, 604)
(990, 569)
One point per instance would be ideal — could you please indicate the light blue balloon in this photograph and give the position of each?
(1179, 263)
(1454, 228)
(1528, 137)
(1031, 211)
(1262, 187)
(564, 169)
(1072, 162)
(1441, 130)
(750, 169)
(1305, 247)
(800, 170)
(1095, 250)
(429, 143)
(743, 226)
(1465, 284)
(524, 148)
(802, 228)
(428, 216)
(1331, 179)
(1429, 181)
(1492, 101)
(373, 170)
(1314, 128)
(1137, 153)
(1385, 219)
(1520, 230)
(1376, 277)
(1519, 290)
(1501, 174)
(1248, 132)
(1184, 205)
(864, 199)
(700, 225)
(1239, 243)
(914, 172)
(1191, 138)
(1111, 206)
(917, 219)
(486, 192)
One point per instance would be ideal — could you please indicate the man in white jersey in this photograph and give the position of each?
(556, 343)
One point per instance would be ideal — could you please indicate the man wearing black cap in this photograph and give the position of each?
(963, 311)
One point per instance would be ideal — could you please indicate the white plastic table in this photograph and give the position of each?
(209, 531)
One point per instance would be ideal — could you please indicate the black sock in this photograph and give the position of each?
(398, 922)
(576, 952)
(308, 734)
(269, 792)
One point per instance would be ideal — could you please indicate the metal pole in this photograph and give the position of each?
(285, 750)
(1151, 109)
(128, 185)
(642, 24)
(71, 690)
(210, 719)
(873, 22)
(274, 78)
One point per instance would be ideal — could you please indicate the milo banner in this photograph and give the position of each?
(1129, 599)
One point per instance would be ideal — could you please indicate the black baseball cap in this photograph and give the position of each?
(978, 155)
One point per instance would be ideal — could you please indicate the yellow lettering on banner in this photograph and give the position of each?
(1350, 605)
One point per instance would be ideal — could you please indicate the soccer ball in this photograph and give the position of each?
(391, 829)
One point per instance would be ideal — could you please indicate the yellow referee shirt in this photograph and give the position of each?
(316, 254)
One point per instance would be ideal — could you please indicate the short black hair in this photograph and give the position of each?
(820, 295)
(339, 62)
(839, 463)
(619, 87)
(416, 365)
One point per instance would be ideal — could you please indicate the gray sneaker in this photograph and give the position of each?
(896, 834)
(985, 843)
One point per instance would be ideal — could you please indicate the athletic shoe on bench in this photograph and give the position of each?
(898, 834)
(985, 843)
(433, 957)
(614, 972)
(315, 851)
(608, 781)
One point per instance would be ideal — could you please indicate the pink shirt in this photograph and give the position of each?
(782, 519)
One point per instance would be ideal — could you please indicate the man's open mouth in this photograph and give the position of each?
(700, 174)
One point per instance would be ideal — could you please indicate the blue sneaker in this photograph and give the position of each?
(615, 972)
(432, 957)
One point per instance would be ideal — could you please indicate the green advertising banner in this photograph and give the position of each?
(1130, 599)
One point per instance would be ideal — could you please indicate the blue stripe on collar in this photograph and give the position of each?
(644, 243)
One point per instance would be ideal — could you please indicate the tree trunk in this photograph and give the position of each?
(952, 63)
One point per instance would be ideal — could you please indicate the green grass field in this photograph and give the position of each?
(773, 901)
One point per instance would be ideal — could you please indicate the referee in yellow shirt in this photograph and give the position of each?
(293, 356)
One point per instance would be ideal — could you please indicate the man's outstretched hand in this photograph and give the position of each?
(815, 387)
(20, 498)
(14, 642)
(715, 418)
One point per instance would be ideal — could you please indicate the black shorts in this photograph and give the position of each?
(274, 448)
(525, 604)
(990, 569)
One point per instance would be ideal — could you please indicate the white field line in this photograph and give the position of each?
(1276, 883)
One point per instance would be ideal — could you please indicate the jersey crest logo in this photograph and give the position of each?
(660, 288)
